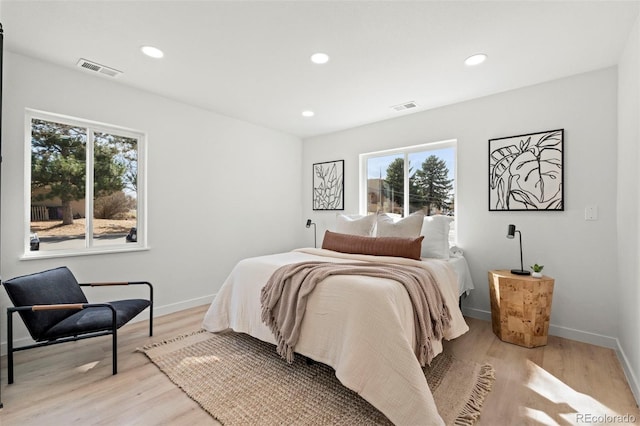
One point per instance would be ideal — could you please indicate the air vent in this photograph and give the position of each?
(406, 105)
(100, 69)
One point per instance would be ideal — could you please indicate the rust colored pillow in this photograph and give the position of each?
(376, 246)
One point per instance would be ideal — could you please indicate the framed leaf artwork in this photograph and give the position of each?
(328, 185)
(526, 172)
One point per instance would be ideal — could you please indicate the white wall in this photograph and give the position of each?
(628, 292)
(580, 255)
(244, 180)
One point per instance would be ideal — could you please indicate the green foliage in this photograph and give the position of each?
(537, 268)
(116, 163)
(58, 163)
(429, 187)
(395, 181)
(58, 160)
(432, 184)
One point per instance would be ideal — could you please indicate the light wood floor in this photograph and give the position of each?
(72, 383)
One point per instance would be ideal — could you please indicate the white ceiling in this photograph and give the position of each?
(250, 60)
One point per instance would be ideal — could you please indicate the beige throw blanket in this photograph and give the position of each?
(284, 299)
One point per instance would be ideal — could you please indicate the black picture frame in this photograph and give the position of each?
(328, 185)
(526, 172)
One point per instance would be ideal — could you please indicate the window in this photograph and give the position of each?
(85, 186)
(404, 180)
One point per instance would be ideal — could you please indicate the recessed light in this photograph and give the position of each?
(308, 113)
(319, 58)
(476, 59)
(153, 52)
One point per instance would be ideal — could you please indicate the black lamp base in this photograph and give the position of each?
(520, 272)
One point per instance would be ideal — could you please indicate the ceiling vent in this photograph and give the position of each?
(100, 69)
(403, 106)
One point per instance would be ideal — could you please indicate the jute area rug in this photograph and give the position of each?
(240, 380)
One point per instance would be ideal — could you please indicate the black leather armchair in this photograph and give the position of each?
(55, 310)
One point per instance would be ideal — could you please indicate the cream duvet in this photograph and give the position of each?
(361, 326)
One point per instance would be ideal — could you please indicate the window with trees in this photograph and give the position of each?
(86, 186)
(405, 180)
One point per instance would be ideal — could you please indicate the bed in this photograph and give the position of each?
(461, 268)
(366, 336)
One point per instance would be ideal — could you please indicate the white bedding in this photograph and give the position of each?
(361, 326)
(460, 266)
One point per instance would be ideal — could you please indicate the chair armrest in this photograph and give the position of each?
(120, 283)
(75, 306)
(112, 283)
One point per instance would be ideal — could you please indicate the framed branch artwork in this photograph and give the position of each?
(526, 172)
(328, 185)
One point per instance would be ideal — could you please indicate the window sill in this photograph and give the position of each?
(36, 255)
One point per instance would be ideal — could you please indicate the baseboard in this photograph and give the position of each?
(556, 330)
(476, 313)
(158, 311)
(583, 336)
(634, 384)
(180, 306)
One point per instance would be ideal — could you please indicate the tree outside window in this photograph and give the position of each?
(428, 179)
(431, 187)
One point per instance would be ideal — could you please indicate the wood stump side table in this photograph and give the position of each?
(520, 307)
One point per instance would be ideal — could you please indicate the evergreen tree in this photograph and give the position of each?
(395, 180)
(433, 187)
(58, 164)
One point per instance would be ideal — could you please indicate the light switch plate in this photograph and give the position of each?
(591, 213)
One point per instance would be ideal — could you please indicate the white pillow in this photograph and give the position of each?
(409, 227)
(436, 236)
(355, 224)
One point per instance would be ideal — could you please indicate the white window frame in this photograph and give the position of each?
(141, 214)
(406, 151)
